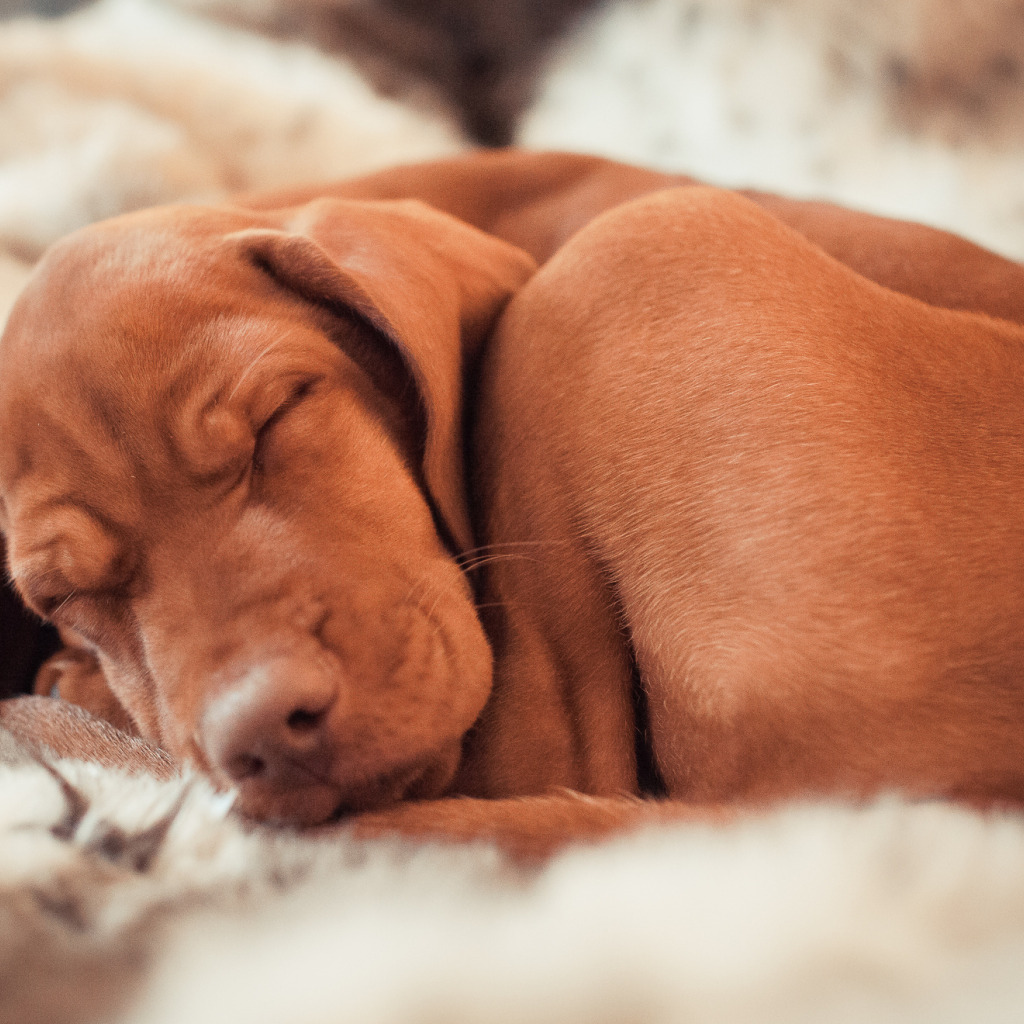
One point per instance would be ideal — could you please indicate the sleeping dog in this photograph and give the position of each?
(736, 519)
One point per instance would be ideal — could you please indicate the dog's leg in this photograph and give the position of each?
(530, 829)
(926, 263)
(74, 674)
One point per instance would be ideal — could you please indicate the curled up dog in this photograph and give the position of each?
(358, 511)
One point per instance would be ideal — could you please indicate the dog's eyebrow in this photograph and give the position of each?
(37, 565)
(276, 343)
(56, 501)
(34, 581)
(65, 500)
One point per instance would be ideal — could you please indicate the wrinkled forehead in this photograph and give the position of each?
(115, 287)
(116, 317)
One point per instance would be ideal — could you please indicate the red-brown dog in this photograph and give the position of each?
(728, 491)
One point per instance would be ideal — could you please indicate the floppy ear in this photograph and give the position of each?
(430, 284)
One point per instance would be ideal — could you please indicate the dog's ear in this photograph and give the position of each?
(430, 284)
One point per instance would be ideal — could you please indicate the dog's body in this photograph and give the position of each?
(539, 200)
(727, 492)
(791, 490)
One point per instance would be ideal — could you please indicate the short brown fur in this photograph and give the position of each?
(778, 492)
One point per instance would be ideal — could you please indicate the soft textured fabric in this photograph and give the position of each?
(130, 103)
(896, 108)
(153, 904)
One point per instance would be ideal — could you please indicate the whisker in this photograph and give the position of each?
(484, 549)
(425, 585)
(64, 602)
(420, 587)
(496, 604)
(429, 613)
(421, 583)
(498, 557)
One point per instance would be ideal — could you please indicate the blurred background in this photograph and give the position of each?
(906, 107)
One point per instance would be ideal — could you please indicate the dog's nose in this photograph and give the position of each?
(271, 725)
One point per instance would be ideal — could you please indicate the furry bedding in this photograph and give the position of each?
(127, 900)
(123, 899)
(911, 108)
(130, 103)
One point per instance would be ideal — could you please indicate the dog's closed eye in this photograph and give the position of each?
(71, 553)
(302, 389)
(89, 614)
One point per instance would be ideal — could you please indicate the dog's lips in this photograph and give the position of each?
(389, 789)
(423, 779)
(324, 803)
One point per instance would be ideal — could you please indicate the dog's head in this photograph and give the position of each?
(230, 464)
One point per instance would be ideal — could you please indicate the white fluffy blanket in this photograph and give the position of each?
(148, 903)
(130, 103)
(130, 901)
(911, 108)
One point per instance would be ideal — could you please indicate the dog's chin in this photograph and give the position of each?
(323, 803)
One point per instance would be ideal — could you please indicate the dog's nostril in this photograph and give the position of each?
(302, 720)
(269, 730)
(246, 766)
